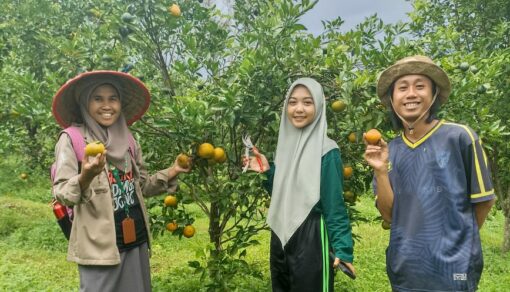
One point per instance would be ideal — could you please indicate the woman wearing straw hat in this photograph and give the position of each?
(110, 234)
(432, 183)
(311, 232)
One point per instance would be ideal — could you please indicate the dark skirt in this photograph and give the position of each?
(304, 264)
(132, 274)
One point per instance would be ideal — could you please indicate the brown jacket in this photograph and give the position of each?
(93, 239)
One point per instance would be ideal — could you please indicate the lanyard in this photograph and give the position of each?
(115, 173)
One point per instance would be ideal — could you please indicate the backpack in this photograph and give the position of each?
(65, 214)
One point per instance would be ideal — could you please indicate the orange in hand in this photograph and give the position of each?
(183, 160)
(94, 148)
(373, 136)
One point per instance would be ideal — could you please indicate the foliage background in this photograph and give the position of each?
(214, 77)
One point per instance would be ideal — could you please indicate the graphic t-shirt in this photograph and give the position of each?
(434, 241)
(120, 199)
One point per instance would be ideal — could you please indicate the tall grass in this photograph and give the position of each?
(33, 250)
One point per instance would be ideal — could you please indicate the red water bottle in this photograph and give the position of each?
(59, 210)
(63, 220)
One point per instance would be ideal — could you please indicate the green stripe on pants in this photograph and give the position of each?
(325, 257)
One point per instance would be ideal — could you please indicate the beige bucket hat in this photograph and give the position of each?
(421, 65)
(135, 97)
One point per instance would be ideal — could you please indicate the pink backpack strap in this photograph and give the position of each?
(132, 145)
(77, 140)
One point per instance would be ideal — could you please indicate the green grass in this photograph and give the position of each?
(33, 250)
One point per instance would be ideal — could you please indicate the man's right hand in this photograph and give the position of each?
(377, 155)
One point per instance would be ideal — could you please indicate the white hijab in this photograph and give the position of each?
(296, 185)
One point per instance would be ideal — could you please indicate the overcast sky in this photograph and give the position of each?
(352, 12)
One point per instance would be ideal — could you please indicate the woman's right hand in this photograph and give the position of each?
(253, 162)
(377, 155)
(91, 166)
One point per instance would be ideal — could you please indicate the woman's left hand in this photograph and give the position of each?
(177, 169)
(349, 265)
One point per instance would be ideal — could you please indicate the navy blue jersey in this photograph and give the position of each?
(434, 242)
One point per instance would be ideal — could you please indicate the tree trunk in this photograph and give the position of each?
(502, 190)
(505, 206)
(214, 226)
(506, 237)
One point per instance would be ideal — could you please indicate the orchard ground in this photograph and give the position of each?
(33, 250)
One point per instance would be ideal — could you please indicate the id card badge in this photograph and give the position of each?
(128, 230)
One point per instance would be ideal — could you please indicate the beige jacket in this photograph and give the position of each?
(92, 240)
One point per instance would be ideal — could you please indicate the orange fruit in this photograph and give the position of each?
(170, 201)
(349, 197)
(172, 226)
(338, 106)
(188, 231)
(175, 10)
(94, 148)
(348, 171)
(23, 175)
(206, 150)
(183, 160)
(373, 136)
(352, 137)
(219, 155)
(385, 225)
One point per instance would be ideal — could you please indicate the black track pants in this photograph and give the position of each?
(300, 266)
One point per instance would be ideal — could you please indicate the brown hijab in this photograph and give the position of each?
(115, 137)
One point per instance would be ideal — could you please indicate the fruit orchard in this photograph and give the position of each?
(215, 77)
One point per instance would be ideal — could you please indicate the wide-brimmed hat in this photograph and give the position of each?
(135, 97)
(421, 65)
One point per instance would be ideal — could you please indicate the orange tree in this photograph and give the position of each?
(216, 79)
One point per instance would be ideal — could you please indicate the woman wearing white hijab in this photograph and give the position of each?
(307, 214)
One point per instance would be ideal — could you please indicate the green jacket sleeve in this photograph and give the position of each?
(333, 207)
(268, 183)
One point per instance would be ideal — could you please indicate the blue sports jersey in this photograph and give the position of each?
(434, 242)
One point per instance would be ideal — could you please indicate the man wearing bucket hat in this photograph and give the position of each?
(110, 234)
(432, 183)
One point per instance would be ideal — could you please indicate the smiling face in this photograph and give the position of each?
(104, 105)
(300, 107)
(412, 95)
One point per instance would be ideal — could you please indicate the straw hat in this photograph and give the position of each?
(135, 97)
(413, 65)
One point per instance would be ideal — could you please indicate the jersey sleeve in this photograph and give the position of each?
(333, 207)
(480, 186)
